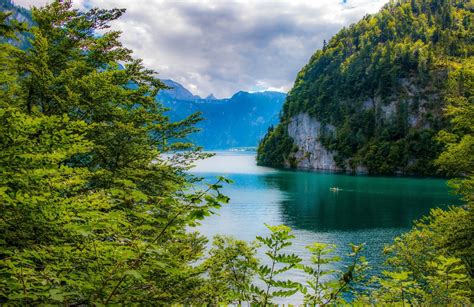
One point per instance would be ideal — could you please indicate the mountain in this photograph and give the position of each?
(177, 92)
(373, 99)
(239, 121)
(21, 15)
(18, 13)
(211, 97)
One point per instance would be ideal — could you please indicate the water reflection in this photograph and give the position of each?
(362, 202)
(303, 200)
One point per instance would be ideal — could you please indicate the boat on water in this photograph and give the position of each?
(334, 189)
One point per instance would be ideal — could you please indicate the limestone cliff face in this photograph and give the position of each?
(311, 154)
(305, 130)
(419, 101)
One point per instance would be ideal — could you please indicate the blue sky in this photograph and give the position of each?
(224, 46)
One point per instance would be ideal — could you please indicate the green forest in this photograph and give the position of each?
(92, 213)
(383, 83)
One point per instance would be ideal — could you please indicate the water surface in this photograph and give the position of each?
(366, 209)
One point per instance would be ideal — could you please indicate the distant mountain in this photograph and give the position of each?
(211, 97)
(22, 15)
(239, 121)
(19, 13)
(177, 92)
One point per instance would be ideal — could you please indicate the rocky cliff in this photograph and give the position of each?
(311, 154)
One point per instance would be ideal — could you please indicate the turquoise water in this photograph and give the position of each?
(365, 209)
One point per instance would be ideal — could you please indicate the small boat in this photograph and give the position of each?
(334, 189)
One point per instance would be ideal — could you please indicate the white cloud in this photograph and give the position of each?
(226, 46)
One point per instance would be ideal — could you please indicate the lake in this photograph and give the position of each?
(366, 209)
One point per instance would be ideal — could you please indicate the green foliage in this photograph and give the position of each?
(91, 212)
(419, 273)
(233, 270)
(231, 267)
(433, 264)
(446, 284)
(443, 233)
(395, 288)
(382, 83)
(457, 158)
(319, 258)
(11, 29)
(320, 289)
(280, 262)
(8, 26)
(275, 148)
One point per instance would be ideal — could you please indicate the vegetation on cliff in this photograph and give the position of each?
(384, 83)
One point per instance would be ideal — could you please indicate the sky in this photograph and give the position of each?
(223, 46)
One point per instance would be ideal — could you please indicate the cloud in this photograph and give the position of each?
(28, 3)
(224, 46)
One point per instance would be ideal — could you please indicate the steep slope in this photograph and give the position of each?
(372, 99)
(239, 121)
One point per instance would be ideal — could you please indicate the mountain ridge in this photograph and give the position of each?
(238, 121)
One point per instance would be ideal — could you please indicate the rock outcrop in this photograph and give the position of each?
(305, 132)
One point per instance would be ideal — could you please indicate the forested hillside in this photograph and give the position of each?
(373, 98)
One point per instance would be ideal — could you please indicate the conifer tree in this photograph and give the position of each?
(91, 211)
